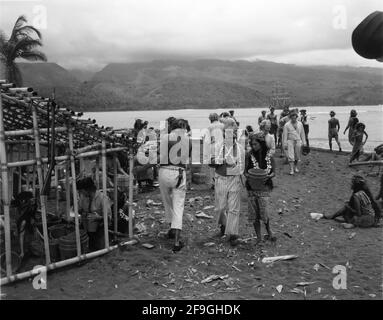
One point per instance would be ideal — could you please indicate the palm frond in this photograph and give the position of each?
(18, 24)
(34, 55)
(26, 44)
(27, 30)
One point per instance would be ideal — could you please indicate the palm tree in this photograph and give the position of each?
(21, 44)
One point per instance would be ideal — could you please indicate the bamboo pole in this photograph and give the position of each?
(74, 188)
(28, 151)
(115, 182)
(64, 263)
(41, 183)
(19, 182)
(104, 176)
(131, 163)
(67, 190)
(365, 163)
(29, 132)
(57, 189)
(10, 172)
(62, 158)
(5, 194)
(34, 179)
(98, 173)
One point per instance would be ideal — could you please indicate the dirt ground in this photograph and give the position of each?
(139, 273)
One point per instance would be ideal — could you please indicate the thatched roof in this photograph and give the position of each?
(17, 106)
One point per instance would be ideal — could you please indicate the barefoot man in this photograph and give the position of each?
(333, 130)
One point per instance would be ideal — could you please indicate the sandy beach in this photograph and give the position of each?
(139, 273)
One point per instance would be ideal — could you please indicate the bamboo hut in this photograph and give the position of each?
(40, 143)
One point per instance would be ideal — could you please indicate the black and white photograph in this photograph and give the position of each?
(191, 154)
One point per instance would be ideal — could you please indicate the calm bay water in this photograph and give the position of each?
(372, 116)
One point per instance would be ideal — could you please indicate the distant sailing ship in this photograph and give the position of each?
(280, 97)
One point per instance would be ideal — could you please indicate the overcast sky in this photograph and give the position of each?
(88, 34)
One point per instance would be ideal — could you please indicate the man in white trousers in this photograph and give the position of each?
(229, 166)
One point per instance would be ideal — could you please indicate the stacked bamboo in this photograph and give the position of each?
(25, 130)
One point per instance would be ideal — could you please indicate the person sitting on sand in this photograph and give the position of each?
(333, 130)
(293, 139)
(269, 138)
(351, 126)
(361, 210)
(29, 235)
(259, 157)
(358, 143)
(374, 156)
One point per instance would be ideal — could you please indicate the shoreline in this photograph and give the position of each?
(228, 108)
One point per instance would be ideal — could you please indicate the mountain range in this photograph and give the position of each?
(171, 84)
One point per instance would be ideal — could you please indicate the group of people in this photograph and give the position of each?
(231, 173)
(357, 135)
(233, 165)
(290, 134)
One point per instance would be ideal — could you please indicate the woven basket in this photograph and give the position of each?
(256, 179)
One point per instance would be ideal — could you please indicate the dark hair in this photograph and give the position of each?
(231, 112)
(224, 115)
(353, 113)
(170, 121)
(86, 184)
(138, 125)
(360, 125)
(249, 130)
(360, 184)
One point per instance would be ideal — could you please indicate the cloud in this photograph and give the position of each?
(89, 34)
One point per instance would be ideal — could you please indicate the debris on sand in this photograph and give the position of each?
(316, 267)
(236, 268)
(209, 244)
(203, 215)
(214, 277)
(208, 207)
(316, 216)
(352, 235)
(148, 245)
(304, 284)
(140, 227)
(279, 288)
(190, 217)
(324, 266)
(192, 200)
(278, 258)
(297, 291)
(150, 202)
